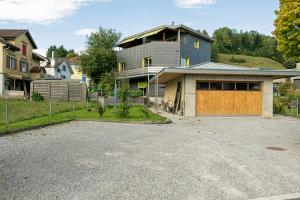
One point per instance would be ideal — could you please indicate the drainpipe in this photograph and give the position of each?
(179, 46)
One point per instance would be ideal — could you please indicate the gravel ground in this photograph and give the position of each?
(208, 158)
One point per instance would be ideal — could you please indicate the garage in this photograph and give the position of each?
(215, 89)
(228, 98)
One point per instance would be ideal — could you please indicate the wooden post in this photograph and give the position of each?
(50, 108)
(6, 115)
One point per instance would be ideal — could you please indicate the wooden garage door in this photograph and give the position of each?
(228, 99)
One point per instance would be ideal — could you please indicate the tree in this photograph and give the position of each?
(204, 32)
(214, 52)
(59, 52)
(100, 55)
(287, 29)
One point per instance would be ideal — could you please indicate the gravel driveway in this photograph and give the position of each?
(209, 158)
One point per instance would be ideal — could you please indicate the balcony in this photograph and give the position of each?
(138, 72)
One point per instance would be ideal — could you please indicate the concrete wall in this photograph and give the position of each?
(187, 49)
(162, 54)
(190, 91)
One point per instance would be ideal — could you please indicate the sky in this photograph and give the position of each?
(68, 22)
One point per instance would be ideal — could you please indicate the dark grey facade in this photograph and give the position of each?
(166, 46)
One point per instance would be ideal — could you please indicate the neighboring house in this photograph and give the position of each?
(145, 54)
(214, 89)
(58, 68)
(294, 80)
(16, 61)
(77, 75)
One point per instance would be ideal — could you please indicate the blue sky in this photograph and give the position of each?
(68, 21)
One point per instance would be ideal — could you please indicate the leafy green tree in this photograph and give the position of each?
(223, 37)
(100, 55)
(287, 29)
(59, 52)
(214, 52)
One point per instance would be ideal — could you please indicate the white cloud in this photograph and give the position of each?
(84, 32)
(40, 11)
(194, 3)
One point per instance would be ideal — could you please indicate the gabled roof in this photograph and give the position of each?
(164, 27)
(59, 61)
(211, 68)
(13, 33)
(39, 57)
(37, 69)
(9, 45)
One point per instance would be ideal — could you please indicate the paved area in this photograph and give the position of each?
(209, 158)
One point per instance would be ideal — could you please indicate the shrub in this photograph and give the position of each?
(123, 111)
(285, 88)
(100, 106)
(145, 111)
(237, 60)
(279, 105)
(123, 93)
(290, 63)
(37, 97)
(135, 93)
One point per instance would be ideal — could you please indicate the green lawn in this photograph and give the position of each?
(251, 61)
(25, 115)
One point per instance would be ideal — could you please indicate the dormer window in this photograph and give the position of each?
(24, 49)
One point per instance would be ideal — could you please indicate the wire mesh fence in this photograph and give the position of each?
(12, 111)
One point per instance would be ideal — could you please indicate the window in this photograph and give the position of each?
(197, 44)
(11, 62)
(63, 77)
(24, 65)
(228, 86)
(185, 62)
(147, 62)
(215, 86)
(58, 70)
(203, 86)
(121, 66)
(24, 49)
(254, 86)
(64, 68)
(241, 86)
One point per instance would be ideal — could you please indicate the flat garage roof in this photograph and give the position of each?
(210, 68)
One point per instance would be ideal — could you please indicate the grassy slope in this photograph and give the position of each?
(109, 115)
(251, 61)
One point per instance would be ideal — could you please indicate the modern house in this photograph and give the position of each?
(17, 62)
(214, 89)
(58, 68)
(143, 55)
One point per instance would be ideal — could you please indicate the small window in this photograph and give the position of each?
(24, 49)
(203, 86)
(63, 77)
(24, 65)
(147, 62)
(197, 44)
(215, 86)
(241, 86)
(228, 86)
(121, 66)
(58, 70)
(254, 86)
(11, 62)
(64, 68)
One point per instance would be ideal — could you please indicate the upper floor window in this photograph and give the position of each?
(11, 62)
(24, 65)
(185, 62)
(63, 77)
(197, 44)
(121, 66)
(64, 68)
(24, 49)
(147, 62)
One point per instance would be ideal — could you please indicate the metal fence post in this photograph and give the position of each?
(50, 108)
(6, 115)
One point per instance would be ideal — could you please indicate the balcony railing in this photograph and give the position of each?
(139, 72)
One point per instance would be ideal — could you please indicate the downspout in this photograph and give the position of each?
(179, 46)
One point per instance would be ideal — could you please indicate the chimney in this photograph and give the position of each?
(52, 62)
(173, 23)
(298, 66)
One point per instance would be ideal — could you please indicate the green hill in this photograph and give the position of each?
(249, 61)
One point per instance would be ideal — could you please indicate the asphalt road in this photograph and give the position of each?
(210, 158)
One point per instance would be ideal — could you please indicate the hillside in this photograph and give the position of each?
(250, 61)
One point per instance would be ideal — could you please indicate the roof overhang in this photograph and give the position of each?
(168, 74)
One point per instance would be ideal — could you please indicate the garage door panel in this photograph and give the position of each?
(229, 103)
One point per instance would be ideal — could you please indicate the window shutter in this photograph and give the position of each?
(8, 62)
(20, 65)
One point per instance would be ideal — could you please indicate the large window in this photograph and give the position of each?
(228, 86)
(11, 62)
(121, 66)
(24, 65)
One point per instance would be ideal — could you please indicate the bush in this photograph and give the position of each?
(145, 111)
(123, 111)
(290, 63)
(100, 106)
(237, 60)
(123, 93)
(279, 105)
(135, 93)
(37, 97)
(285, 88)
